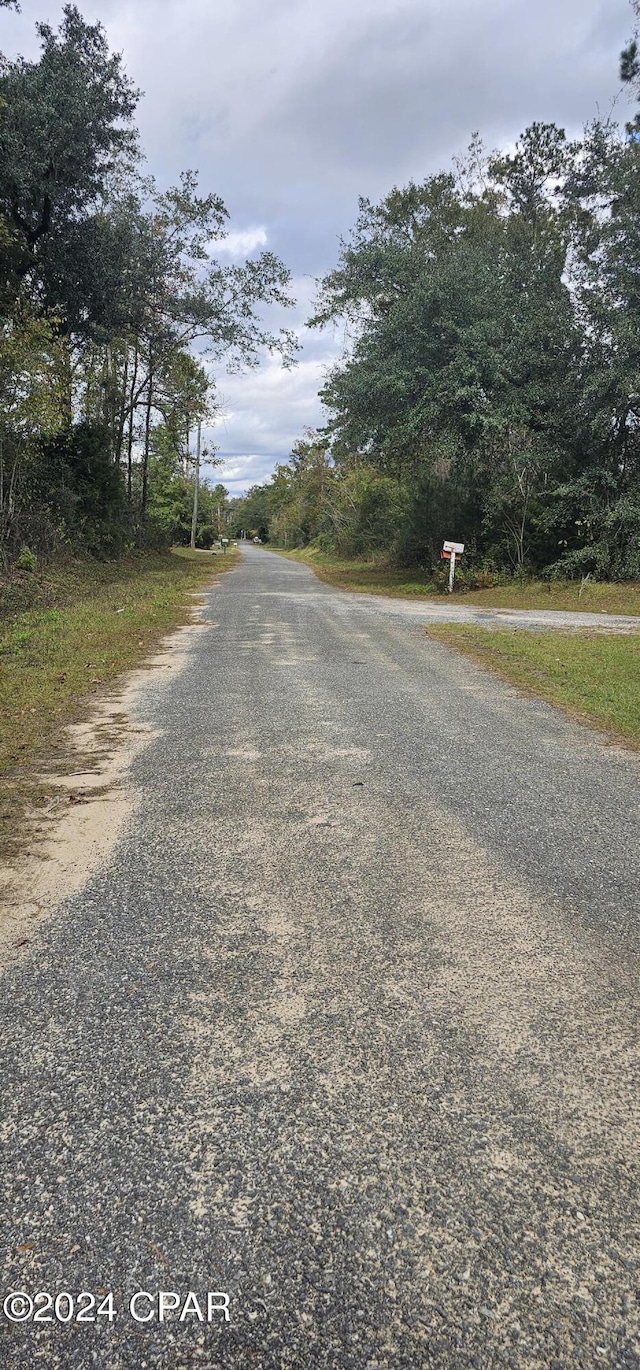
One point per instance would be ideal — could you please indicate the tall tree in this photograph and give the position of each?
(65, 121)
(119, 277)
(463, 370)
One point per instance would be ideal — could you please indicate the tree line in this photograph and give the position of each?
(489, 391)
(490, 388)
(112, 307)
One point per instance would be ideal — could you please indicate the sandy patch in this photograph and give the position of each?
(93, 799)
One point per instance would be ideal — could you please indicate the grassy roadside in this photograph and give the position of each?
(595, 676)
(409, 583)
(88, 622)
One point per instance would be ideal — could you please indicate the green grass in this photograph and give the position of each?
(595, 676)
(380, 579)
(88, 622)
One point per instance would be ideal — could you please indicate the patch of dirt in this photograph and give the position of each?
(92, 798)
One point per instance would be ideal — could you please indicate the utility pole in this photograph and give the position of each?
(196, 487)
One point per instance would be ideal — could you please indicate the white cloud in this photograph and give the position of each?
(239, 474)
(263, 412)
(241, 242)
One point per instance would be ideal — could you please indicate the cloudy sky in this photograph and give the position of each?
(291, 109)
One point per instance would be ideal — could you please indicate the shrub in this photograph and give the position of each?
(27, 561)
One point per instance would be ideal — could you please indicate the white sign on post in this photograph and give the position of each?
(451, 550)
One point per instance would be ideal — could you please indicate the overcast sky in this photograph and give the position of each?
(291, 109)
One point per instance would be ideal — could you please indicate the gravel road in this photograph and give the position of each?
(348, 1026)
(443, 610)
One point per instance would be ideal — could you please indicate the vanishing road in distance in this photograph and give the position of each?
(347, 1027)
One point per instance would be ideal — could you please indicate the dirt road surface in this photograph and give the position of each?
(346, 1024)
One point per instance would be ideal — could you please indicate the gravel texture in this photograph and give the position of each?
(443, 610)
(348, 1026)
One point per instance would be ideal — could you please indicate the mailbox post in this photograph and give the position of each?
(451, 550)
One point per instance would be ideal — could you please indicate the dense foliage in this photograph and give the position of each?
(491, 389)
(111, 306)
